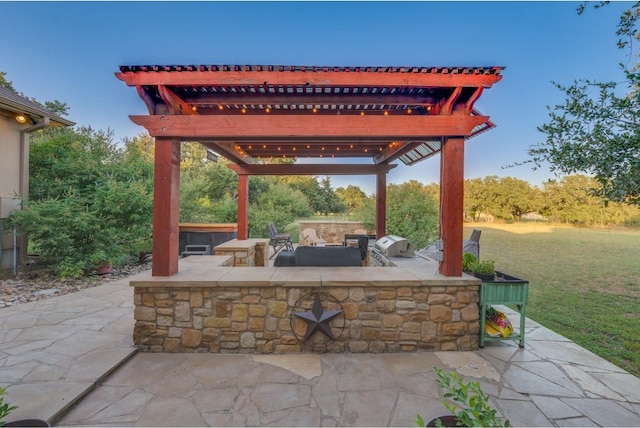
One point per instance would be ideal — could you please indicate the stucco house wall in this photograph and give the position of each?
(14, 161)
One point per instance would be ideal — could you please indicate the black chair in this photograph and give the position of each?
(278, 240)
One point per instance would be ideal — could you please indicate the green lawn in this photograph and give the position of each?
(583, 283)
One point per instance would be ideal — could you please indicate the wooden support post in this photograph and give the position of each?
(451, 205)
(166, 207)
(381, 204)
(243, 206)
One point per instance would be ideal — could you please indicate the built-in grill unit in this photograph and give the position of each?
(388, 247)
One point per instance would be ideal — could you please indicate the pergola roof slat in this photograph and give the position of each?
(377, 104)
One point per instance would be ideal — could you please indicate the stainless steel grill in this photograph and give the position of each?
(388, 247)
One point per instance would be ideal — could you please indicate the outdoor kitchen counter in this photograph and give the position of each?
(210, 275)
(206, 307)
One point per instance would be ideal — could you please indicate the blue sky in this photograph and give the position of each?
(69, 51)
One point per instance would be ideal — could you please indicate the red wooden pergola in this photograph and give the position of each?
(246, 113)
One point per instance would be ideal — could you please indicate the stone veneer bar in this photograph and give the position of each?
(207, 307)
(246, 252)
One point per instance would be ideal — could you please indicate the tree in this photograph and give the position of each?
(6, 83)
(412, 213)
(596, 131)
(475, 198)
(351, 197)
(329, 201)
(280, 205)
(321, 196)
(89, 204)
(512, 198)
(55, 106)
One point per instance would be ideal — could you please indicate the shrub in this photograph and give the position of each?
(90, 205)
(472, 408)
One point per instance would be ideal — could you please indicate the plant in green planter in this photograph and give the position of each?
(468, 260)
(473, 409)
(484, 270)
(5, 409)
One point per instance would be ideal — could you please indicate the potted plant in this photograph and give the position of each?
(5, 409)
(484, 270)
(468, 259)
(473, 409)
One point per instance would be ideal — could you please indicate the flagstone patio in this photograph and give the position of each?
(70, 360)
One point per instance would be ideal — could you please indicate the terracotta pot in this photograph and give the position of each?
(104, 269)
(447, 421)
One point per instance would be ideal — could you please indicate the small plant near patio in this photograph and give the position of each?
(5, 409)
(484, 267)
(474, 409)
(468, 260)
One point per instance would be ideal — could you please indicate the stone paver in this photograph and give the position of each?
(69, 360)
(53, 351)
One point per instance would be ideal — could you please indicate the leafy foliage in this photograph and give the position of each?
(8, 84)
(596, 130)
(483, 266)
(412, 213)
(352, 197)
(571, 199)
(5, 409)
(474, 409)
(468, 261)
(280, 205)
(55, 106)
(90, 204)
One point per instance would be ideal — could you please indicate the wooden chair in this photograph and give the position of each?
(278, 240)
(311, 239)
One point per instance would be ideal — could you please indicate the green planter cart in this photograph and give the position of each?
(504, 290)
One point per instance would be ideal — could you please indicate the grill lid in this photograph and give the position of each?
(393, 245)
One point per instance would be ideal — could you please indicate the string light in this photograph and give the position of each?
(194, 108)
(386, 113)
(361, 113)
(315, 110)
(220, 107)
(244, 110)
(409, 111)
(267, 110)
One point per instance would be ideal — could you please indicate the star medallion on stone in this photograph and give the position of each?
(318, 319)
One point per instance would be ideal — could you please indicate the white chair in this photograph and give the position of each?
(311, 239)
